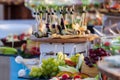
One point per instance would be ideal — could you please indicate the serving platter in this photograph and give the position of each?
(81, 39)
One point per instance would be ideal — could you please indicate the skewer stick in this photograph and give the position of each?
(46, 14)
(111, 31)
(118, 30)
(38, 17)
(72, 16)
(81, 21)
(101, 34)
(83, 16)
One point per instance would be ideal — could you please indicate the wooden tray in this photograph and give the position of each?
(113, 73)
(65, 40)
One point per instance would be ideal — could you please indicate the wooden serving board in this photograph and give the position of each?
(111, 72)
(65, 40)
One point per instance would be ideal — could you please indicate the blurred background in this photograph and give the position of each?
(14, 9)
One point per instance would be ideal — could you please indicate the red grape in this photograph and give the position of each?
(86, 58)
(94, 56)
(91, 51)
(90, 65)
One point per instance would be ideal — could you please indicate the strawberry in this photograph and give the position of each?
(15, 36)
(107, 44)
(77, 77)
(65, 76)
(21, 37)
(35, 51)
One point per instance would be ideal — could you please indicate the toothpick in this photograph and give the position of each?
(118, 30)
(111, 31)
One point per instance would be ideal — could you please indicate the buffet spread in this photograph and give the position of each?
(65, 49)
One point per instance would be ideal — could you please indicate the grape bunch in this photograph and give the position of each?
(94, 56)
(50, 66)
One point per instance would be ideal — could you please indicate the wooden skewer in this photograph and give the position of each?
(118, 30)
(114, 25)
(111, 31)
(101, 34)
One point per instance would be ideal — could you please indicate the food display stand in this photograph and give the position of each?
(68, 46)
(63, 39)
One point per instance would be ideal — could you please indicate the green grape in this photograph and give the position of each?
(75, 58)
(34, 74)
(52, 65)
(39, 74)
(34, 68)
(61, 62)
(43, 65)
(55, 68)
(44, 61)
(48, 67)
(77, 55)
(53, 73)
(56, 64)
(50, 59)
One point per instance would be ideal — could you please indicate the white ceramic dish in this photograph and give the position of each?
(7, 29)
(113, 60)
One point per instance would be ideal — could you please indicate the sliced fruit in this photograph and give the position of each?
(65, 76)
(69, 62)
(107, 44)
(81, 75)
(77, 77)
(64, 72)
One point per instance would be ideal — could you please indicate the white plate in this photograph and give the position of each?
(113, 60)
(7, 29)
